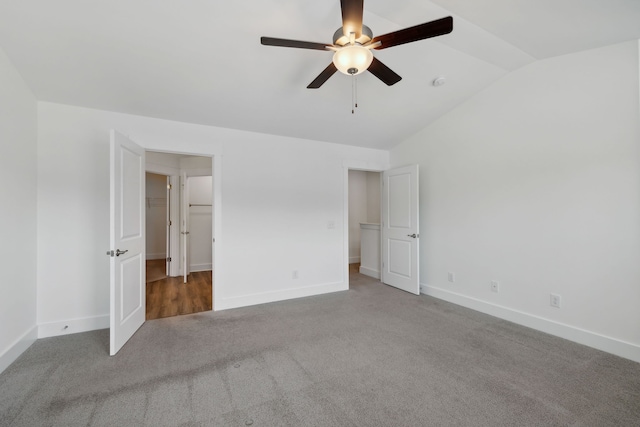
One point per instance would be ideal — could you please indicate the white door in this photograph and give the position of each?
(185, 225)
(400, 229)
(127, 240)
(168, 230)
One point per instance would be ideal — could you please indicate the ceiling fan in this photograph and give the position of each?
(353, 42)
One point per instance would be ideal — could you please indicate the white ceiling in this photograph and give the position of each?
(201, 61)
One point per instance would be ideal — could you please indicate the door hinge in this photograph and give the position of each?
(170, 223)
(168, 259)
(214, 240)
(169, 186)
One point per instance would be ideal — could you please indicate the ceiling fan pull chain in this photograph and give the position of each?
(356, 91)
(353, 79)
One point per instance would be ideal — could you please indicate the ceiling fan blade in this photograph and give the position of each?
(412, 34)
(271, 41)
(352, 16)
(384, 73)
(323, 77)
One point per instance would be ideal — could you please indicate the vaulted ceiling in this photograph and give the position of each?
(201, 61)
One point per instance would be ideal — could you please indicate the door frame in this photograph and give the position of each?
(216, 226)
(172, 210)
(346, 167)
(169, 212)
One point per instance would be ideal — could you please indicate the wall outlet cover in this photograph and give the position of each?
(495, 286)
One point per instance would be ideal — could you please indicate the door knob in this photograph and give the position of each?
(414, 235)
(119, 252)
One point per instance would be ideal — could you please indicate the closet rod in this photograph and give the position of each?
(195, 204)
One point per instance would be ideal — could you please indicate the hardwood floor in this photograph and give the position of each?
(354, 268)
(156, 269)
(171, 297)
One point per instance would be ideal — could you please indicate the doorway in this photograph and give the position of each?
(364, 222)
(158, 238)
(397, 239)
(181, 225)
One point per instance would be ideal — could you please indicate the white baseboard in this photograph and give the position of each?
(72, 326)
(156, 256)
(354, 259)
(200, 267)
(370, 272)
(591, 339)
(281, 295)
(19, 346)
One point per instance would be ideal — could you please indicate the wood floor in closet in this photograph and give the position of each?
(171, 297)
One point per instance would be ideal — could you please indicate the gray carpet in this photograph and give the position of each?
(372, 356)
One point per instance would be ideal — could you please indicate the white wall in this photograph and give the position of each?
(373, 197)
(535, 182)
(200, 230)
(156, 216)
(364, 206)
(278, 198)
(357, 211)
(18, 163)
(167, 164)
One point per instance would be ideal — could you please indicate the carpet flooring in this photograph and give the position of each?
(370, 356)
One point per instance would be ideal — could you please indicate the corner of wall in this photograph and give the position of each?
(568, 332)
(17, 348)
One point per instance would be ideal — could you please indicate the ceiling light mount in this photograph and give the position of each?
(439, 81)
(341, 39)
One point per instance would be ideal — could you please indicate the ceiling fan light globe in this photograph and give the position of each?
(352, 57)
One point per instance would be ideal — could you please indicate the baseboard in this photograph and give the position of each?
(199, 267)
(281, 295)
(591, 339)
(156, 256)
(18, 347)
(72, 326)
(369, 272)
(354, 259)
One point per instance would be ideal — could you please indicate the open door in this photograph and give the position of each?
(184, 209)
(168, 230)
(127, 239)
(400, 229)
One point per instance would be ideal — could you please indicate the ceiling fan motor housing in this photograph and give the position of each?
(341, 39)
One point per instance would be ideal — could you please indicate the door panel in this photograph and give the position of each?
(400, 257)
(130, 271)
(399, 201)
(168, 230)
(185, 226)
(127, 239)
(400, 229)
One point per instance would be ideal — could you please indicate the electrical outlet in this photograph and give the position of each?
(294, 274)
(451, 277)
(495, 286)
(555, 300)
